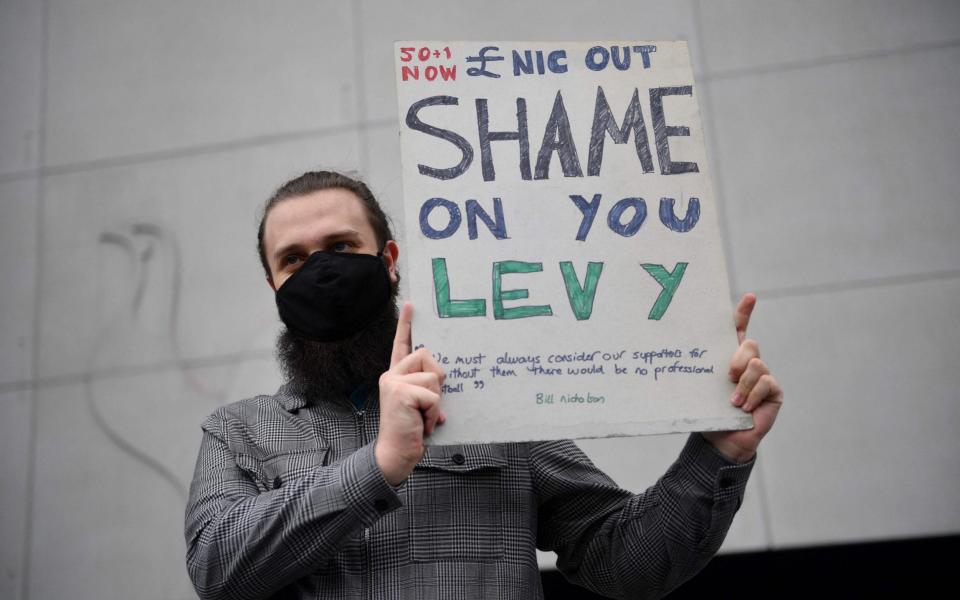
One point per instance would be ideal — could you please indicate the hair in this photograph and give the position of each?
(314, 181)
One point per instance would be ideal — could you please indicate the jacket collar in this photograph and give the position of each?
(292, 401)
(289, 400)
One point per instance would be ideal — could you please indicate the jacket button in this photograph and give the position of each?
(380, 504)
(458, 459)
(277, 482)
(725, 482)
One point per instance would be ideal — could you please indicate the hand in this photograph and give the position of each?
(757, 392)
(409, 404)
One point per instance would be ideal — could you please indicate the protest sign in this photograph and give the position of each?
(562, 241)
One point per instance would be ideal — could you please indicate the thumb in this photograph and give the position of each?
(741, 316)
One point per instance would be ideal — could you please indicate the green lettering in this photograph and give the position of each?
(499, 295)
(581, 297)
(669, 282)
(453, 308)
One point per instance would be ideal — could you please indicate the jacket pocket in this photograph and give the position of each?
(455, 500)
(277, 470)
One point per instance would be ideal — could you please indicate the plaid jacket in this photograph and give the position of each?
(287, 502)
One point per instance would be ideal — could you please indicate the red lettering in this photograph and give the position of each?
(430, 72)
(448, 73)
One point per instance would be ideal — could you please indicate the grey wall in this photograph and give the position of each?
(137, 139)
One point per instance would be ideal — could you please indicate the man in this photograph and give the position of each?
(326, 489)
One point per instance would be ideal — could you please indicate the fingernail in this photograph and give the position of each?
(737, 399)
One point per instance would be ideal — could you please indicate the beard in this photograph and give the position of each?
(332, 370)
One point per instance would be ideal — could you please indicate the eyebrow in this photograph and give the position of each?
(337, 235)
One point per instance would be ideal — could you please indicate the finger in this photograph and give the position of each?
(428, 380)
(431, 417)
(756, 368)
(428, 404)
(431, 365)
(420, 398)
(766, 390)
(401, 341)
(738, 364)
(741, 316)
(421, 360)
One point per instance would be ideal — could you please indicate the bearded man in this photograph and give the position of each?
(326, 489)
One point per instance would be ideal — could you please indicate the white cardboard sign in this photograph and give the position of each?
(562, 244)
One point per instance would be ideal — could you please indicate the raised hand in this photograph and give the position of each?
(757, 391)
(409, 404)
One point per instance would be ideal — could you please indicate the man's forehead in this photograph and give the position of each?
(328, 209)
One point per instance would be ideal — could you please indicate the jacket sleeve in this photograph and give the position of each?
(244, 543)
(635, 546)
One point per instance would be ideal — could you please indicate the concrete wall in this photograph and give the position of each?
(137, 139)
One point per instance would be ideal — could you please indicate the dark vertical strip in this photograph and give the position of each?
(41, 191)
(363, 144)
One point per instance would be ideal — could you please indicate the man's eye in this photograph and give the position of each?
(291, 260)
(340, 247)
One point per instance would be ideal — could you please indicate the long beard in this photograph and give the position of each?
(331, 370)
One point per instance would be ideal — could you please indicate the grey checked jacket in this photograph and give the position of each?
(287, 502)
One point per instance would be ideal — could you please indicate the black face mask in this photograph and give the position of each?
(333, 295)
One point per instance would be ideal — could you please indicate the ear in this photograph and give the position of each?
(391, 252)
(270, 283)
